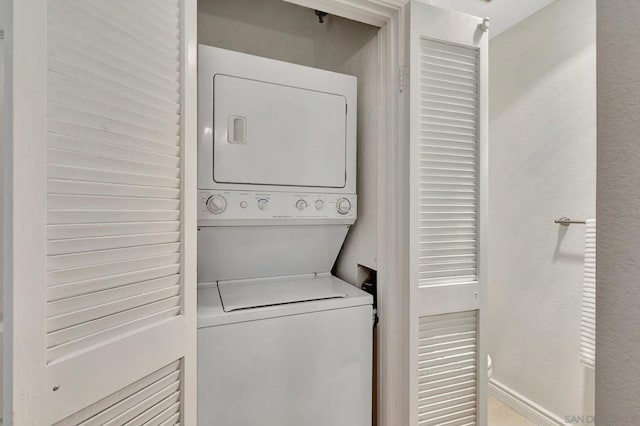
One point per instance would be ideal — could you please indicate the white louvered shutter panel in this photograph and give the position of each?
(448, 173)
(448, 118)
(118, 342)
(154, 399)
(447, 369)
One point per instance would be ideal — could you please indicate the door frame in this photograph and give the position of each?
(392, 204)
(189, 114)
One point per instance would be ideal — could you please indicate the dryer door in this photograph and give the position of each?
(272, 134)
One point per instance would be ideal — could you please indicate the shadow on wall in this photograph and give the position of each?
(566, 256)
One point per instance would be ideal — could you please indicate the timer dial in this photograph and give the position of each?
(263, 203)
(216, 204)
(343, 206)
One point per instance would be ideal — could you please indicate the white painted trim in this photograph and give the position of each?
(24, 364)
(483, 228)
(529, 409)
(393, 408)
(189, 127)
(372, 12)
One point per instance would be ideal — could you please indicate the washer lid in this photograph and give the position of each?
(259, 293)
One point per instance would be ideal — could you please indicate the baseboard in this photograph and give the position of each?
(522, 405)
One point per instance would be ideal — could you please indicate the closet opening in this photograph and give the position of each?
(282, 31)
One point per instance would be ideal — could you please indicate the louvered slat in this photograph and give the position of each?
(114, 185)
(68, 340)
(588, 317)
(153, 400)
(447, 364)
(448, 164)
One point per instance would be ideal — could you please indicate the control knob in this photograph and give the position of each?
(301, 204)
(343, 206)
(263, 203)
(216, 204)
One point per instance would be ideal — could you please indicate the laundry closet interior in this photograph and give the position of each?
(287, 213)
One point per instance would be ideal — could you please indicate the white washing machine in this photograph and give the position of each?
(281, 342)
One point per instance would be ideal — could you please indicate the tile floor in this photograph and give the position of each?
(502, 415)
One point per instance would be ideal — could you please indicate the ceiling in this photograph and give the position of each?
(503, 13)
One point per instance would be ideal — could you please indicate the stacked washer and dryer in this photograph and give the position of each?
(281, 341)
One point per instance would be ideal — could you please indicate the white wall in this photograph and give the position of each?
(618, 304)
(280, 30)
(215, 29)
(542, 166)
(291, 33)
(361, 243)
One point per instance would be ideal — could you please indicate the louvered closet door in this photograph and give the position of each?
(113, 340)
(448, 137)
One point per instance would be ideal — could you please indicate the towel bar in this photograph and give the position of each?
(565, 221)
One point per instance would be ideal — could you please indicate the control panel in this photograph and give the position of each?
(236, 205)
